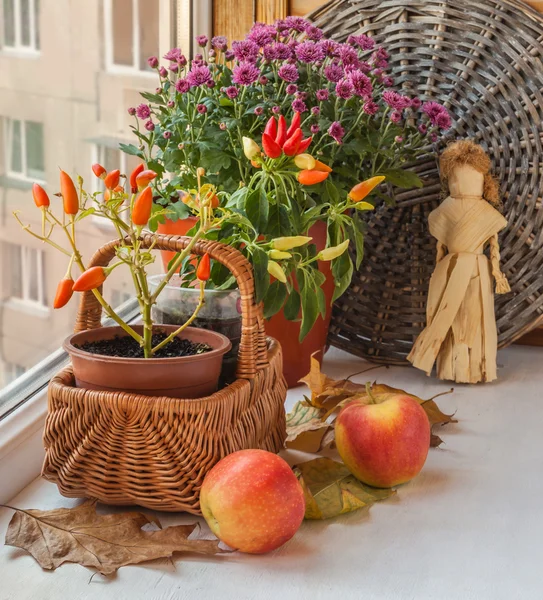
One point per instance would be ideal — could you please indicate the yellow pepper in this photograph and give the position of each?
(333, 251)
(279, 254)
(276, 271)
(287, 243)
(250, 148)
(305, 161)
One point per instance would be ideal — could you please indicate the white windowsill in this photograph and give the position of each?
(20, 52)
(130, 71)
(29, 307)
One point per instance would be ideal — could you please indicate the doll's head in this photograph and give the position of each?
(469, 155)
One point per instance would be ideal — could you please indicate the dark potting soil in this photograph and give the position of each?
(127, 347)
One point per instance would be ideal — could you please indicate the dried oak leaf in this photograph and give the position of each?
(105, 542)
(331, 490)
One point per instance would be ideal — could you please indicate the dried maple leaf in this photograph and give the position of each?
(303, 418)
(330, 489)
(105, 542)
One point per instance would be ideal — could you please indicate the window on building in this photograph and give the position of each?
(23, 143)
(21, 25)
(27, 280)
(131, 33)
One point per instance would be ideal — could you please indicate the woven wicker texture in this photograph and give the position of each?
(130, 449)
(483, 61)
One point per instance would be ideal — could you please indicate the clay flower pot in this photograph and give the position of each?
(181, 377)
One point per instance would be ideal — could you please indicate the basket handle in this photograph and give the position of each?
(253, 349)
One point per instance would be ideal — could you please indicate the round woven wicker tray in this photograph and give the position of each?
(483, 61)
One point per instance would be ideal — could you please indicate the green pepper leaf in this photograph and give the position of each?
(131, 149)
(292, 306)
(310, 308)
(257, 209)
(402, 179)
(275, 298)
(260, 271)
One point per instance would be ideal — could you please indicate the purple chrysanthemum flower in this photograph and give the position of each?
(182, 86)
(245, 51)
(198, 76)
(333, 72)
(170, 104)
(270, 52)
(174, 67)
(201, 108)
(433, 138)
(415, 103)
(276, 110)
(152, 61)
(232, 92)
(292, 88)
(210, 84)
(258, 110)
(432, 109)
(245, 74)
(262, 34)
(344, 89)
(302, 95)
(149, 125)
(394, 100)
(348, 55)
(361, 83)
(167, 135)
(336, 131)
(398, 139)
(297, 24)
(162, 72)
(314, 33)
(423, 130)
(310, 52)
(299, 106)
(277, 51)
(182, 60)
(364, 66)
(314, 129)
(263, 80)
(131, 111)
(316, 110)
(174, 54)
(370, 107)
(202, 40)
(388, 81)
(143, 111)
(289, 73)
(198, 60)
(322, 95)
(395, 116)
(330, 47)
(222, 126)
(219, 42)
(443, 120)
(362, 41)
(229, 55)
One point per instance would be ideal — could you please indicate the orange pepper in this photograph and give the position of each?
(90, 279)
(64, 292)
(69, 194)
(137, 170)
(41, 199)
(142, 207)
(307, 177)
(111, 180)
(362, 189)
(204, 268)
(144, 178)
(99, 170)
(320, 166)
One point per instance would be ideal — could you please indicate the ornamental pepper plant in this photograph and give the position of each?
(287, 123)
(129, 212)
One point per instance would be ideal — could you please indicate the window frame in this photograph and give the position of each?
(33, 16)
(111, 65)
(26, 254)
(7, 134)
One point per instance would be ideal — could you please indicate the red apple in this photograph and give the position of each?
(252, 501)
(384, 443)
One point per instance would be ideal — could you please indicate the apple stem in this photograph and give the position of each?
(370, 395)
(441, 394)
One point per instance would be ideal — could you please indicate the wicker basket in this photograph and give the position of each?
(483, 60)
(131, 449)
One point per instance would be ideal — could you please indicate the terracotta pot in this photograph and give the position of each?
(183, 377)
(296, 356)
(179, 227)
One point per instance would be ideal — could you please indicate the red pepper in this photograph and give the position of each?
(281, 136)
(271, 127)
(41, 199)
(133, 175)
(307, 177)
(294, 124)
(290, 147)
(64, 292)
(90, 279)
(271, 147)
(143, 179)
(142, 207)
(304, 145)
(69, 194)
(111, 180)
(98, 170)
(204, 268)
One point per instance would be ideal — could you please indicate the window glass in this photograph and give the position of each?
(123, 32)
(9, 22)
(34, 150)
(25, 22)
(148, 31)
(13, 129)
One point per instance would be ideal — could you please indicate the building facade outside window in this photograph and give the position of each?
(21, 31)
(27, 266)
(23, 149)
(131, 34)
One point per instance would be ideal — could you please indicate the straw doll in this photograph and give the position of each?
(461, 327)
